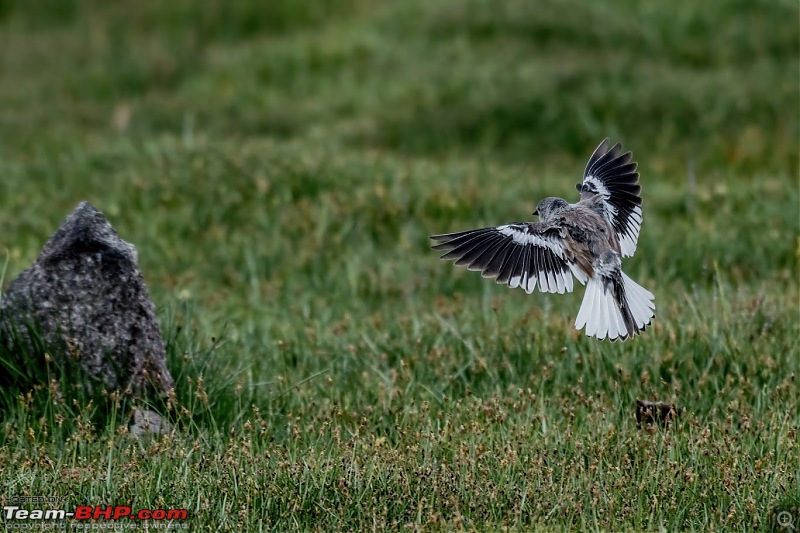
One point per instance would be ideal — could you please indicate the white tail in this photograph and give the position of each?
(603, 317)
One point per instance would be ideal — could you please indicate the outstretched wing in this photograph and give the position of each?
(518, 255)
(613, 175)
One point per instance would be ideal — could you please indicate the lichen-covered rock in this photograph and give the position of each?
(86, 294)
(148, 423)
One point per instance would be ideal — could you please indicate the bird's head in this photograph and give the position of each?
(548, 207)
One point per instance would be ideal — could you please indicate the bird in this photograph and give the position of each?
(585, 240)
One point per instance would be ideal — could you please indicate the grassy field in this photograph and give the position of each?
(279, 168)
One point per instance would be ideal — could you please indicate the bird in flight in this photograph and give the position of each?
(586, 240)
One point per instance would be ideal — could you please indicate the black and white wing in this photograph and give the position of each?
(613, 175)
(521, 255)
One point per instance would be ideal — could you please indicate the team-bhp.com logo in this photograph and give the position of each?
(15, 514)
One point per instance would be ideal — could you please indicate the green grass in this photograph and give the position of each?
(279, 168)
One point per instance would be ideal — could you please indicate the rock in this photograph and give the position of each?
(148, 422)
(86, 295)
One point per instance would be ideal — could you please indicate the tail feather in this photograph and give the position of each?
(616, 308)
(617, 325)
(640, 301)
(590, 308)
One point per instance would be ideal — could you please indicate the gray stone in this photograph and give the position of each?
(87, 295)
(147, 422)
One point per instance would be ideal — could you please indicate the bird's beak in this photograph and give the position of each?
(535, 212)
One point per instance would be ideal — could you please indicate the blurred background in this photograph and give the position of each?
(714, 82)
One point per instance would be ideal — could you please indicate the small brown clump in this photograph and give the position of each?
(651, 413)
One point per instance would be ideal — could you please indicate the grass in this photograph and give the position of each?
(280, 168)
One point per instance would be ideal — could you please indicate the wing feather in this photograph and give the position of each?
(613, 175)
(523, 254)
